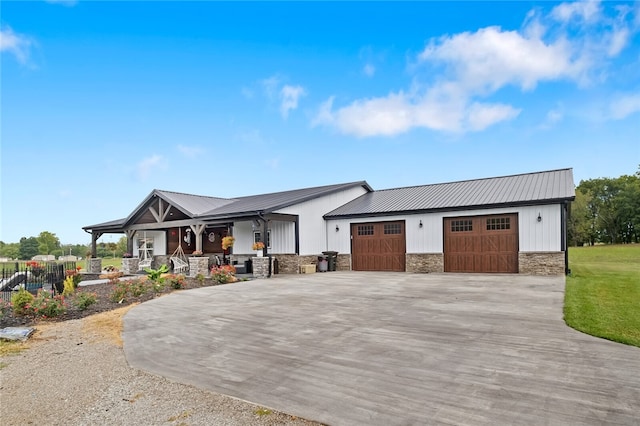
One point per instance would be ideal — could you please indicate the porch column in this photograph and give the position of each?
(130, 234)
(198, 230)
(94, 241)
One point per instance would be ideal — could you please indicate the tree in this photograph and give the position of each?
(10, 250)
(581, 224)
(47, 242)
(28, 247)
(607, 210)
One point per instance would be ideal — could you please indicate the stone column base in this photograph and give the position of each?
(198, 265)
(260, 267)
(130, 265)
(94, 265)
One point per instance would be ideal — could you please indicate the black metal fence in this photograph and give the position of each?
(32, 276)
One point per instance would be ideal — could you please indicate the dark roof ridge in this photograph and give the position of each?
(473, 180)
(191, 195)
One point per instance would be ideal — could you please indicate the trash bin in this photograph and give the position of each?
(248, 266)
(323, 264)
(332, 258)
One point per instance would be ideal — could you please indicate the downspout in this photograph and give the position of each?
(563, 236)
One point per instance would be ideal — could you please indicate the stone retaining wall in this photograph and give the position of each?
(343, 262)
(541, 263)
(424, 262)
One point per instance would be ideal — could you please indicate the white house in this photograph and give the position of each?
(512, 224)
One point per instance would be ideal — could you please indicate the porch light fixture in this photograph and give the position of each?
(420, 225)
(539, 218)
(337, 228)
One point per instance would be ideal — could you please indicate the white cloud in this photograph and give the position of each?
(624, 106)
(17, 44)
(586, 10)
(491, 58)
(190, 151)
(465, 70)
(270, 86)
(147, 165)
(369, 70)
(289, 96)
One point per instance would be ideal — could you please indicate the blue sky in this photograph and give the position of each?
(104, 101)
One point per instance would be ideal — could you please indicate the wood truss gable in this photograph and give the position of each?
(157, 210)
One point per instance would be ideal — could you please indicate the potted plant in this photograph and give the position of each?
(197, 253)
(258, 247)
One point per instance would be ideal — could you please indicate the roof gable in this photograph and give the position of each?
(554, 185)
(266, 203)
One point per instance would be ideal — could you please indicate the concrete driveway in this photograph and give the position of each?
(348, 348)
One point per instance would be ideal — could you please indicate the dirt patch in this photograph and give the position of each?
(106, 326)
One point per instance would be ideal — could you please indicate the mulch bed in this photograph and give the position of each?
(104, 303)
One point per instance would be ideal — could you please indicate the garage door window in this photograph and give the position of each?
(498, 223)
(365, 229)
(392, 228)
(461, 225)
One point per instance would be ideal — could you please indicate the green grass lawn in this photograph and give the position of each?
(602, 295)
(106, 261)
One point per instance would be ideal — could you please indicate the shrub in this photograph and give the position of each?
(47, 305)
(176, 281)
(69, 286)
(83, 300)
(74, 275)
(223, 274)
(137, 288)
(119, 292)
(200, 279)
(5, 308)
(21, 302)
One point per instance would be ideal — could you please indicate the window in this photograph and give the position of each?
(365, 229)
(498, 223)
(461, 225)
(392, 228)
(257, 237)
(145, 247)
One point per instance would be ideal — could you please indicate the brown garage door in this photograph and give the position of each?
(481, 243)
(379, 246)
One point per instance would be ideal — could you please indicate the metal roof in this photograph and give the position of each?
(193, 205)
(212, 208)
(267, 203)
(529, 188)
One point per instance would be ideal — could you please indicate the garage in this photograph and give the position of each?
(481, 244)
(378, 246)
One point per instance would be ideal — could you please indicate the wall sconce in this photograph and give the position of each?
(337, 228)
(420, 224)
(539, 218)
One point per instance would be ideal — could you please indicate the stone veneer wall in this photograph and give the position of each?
(541, 263)
(424, 262)
(343, 262)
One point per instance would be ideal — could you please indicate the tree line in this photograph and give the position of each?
(606, 210)
(47, 243)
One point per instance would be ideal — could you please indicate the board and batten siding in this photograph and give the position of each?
(313, 227)
(283, 239)
(533, 236)
(159, 241)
